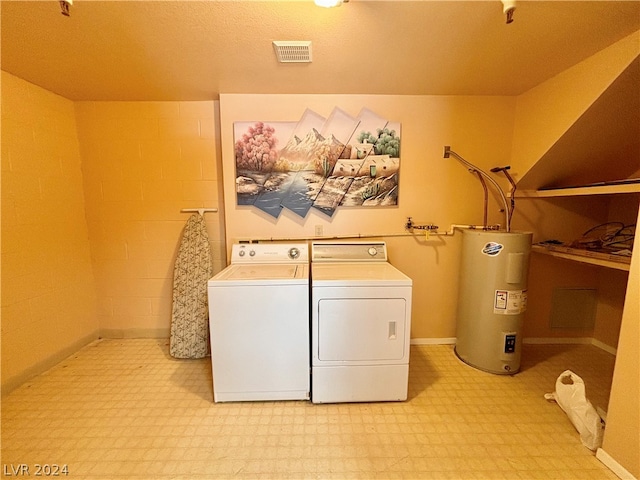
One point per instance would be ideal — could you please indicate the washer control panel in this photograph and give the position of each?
(348, 252)
(269, 253)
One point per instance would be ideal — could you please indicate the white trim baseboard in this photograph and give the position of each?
(9, 385)
(570, 341)
(433, 341)
(529, 341)
(604, 346)
(117, 333)
(613, 465)
(557, 340)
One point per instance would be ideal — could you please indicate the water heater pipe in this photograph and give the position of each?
(448, 152)
(486, 197)
(512, 194)
(433, 229)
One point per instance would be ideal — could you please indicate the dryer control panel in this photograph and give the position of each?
(269, 253)
(349, 252)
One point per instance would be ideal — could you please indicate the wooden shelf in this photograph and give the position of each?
(585, 256)
(595, 189)
(602, 259)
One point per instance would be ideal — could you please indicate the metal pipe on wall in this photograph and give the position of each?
(448, 152)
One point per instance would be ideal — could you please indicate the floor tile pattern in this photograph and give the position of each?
(125, 409)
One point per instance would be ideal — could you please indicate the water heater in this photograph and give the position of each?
(492, 299)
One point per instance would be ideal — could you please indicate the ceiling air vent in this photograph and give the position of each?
(292, 52)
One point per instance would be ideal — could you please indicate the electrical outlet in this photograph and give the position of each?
(319, 231)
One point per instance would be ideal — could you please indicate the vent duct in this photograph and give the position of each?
(292, 52)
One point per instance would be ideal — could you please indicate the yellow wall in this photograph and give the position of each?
(543, 114)
(612, 284)
(142, 163)
(621, 438)
(432, 188)
(547, 111)
(48, 294)
(565, 219)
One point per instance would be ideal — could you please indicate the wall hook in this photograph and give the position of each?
(201, 211)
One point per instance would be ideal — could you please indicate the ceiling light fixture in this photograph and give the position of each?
(330, 3)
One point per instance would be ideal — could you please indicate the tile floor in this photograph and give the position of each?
(125, 409)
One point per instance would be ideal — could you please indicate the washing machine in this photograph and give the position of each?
(360, 324)
(259, 324)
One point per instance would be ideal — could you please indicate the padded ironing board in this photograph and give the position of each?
(190, 314)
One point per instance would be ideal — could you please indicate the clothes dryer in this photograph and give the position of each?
(259, 324)
(360, 324)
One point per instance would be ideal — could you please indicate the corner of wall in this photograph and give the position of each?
(10, 384)
(547, 111)
(621, 440)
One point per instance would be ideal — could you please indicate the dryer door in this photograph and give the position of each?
(361, 329)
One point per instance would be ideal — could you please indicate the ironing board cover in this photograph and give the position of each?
(190, 314)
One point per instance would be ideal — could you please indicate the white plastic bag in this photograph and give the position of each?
(570, 395)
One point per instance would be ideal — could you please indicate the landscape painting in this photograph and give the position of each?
(340, 161)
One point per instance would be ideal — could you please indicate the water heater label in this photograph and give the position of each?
(492, 249)
(510, 302)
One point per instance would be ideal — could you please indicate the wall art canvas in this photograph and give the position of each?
(340, 161)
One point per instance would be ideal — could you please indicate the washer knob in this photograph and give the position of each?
(373, 251)
(294, 253)
(252, 253)
(241, 253)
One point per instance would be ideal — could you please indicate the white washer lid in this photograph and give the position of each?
(357, 274)
(262, 274)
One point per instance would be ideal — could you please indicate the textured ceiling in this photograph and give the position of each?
(184, 50)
